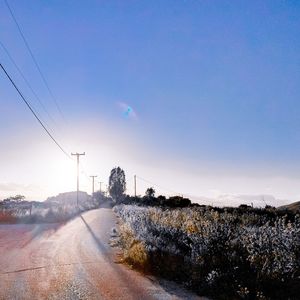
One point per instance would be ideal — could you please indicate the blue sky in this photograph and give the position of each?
(214, 86)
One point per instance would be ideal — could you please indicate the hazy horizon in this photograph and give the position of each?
(197, 97)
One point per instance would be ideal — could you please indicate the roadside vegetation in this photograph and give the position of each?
(54, 210)
(224, 253)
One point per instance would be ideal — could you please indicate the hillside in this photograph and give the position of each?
(69, 198)
(295, 206)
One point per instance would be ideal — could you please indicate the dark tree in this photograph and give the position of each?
(101, 198)
(17, 198)
(161, 200)
(117, 184)
(150, 192)
(177, 201)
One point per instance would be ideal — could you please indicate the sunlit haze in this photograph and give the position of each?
(195, 107)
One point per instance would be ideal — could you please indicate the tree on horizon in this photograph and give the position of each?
(17, 198)
(117, 184)
(150, 192)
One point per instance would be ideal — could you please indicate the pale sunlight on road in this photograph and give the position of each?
(72, 261)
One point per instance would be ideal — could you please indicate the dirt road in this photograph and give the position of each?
(72, 261)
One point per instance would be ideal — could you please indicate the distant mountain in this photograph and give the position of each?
(238, 199)
(295, 207)
(69, 198)
(256, 200)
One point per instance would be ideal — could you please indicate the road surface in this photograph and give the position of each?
(72, 261)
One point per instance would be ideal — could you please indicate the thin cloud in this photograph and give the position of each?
(16, 187)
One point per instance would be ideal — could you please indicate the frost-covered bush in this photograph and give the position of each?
(222, 253)
(43, 212)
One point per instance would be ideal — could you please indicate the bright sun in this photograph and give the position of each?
(61, 175)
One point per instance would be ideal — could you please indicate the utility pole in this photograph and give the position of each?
(77, 155)
(93, 184)
(134, 185)
(100, 183)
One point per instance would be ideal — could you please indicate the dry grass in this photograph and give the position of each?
(223, 253)
(135, 254)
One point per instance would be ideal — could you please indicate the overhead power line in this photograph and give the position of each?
(171, 191)
(26, 81)
(33, 112)
(33, 58)
(82, 168)
(159, 186)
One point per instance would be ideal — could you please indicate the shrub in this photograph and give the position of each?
(43, 212)
(225, 253)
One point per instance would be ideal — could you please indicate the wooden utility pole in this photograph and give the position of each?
(134, 185)
(93, 184)
(100, 184)
(78, 155)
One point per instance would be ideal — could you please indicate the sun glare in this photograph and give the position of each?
(61, 176)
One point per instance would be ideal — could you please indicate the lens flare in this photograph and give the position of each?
(127, 110)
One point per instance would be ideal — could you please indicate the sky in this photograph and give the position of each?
(200, 98)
